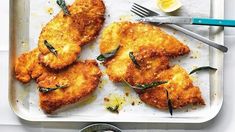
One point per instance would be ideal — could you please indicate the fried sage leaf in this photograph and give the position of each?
(63, 6)
(113, 109)
(145, 86)
(50, 48)
(105, 56)
(169, 103)
(46, 90)
(203, 68)
(150, 85)
(131, 55)
(129, 85)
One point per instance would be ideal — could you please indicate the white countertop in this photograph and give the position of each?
(225, 121)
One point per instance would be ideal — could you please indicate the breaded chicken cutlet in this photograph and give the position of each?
(180, 87)
(133, 37)
(142, 58)
(78, 81)
(67, 33)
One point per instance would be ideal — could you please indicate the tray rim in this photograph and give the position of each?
(218, 38)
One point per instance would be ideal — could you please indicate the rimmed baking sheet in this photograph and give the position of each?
(25, 32)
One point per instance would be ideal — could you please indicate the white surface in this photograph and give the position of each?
(225, 121)
(4, 34)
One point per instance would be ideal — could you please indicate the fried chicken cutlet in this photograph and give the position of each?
(27, 66)
(180, 87)
(79, 81)
(133, 37)
(67, 33)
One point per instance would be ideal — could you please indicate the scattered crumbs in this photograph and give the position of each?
(195, 55)
(127, 94)
(102, 83)
(43, 25)
(49, 10)
(108, 15)
(106, 99)
(200, 45)
(17, 100)
(125, 18)
(115, 102)
(194, 107)
(133, 103)
(91, 46)
(194, 67)
(25, 45)
(126, 88)
(185, 40)
(174, 32)
(104, 72)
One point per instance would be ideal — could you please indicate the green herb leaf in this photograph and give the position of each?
(62, 4)
(129, 85)
(45, 90)
(144, 86)
(131, 55)
(113, 109)
(169, 103)
(203, 68)
(105, 56)
(50, 48)
(150, 85)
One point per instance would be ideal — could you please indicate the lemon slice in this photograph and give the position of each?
(169, 5)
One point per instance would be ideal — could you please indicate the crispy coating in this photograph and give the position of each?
(150, 66)
(133, 37)
(181, 90)
(82, 78)
(27, 66)
(67, 33)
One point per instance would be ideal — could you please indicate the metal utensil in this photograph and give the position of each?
(100, 127)
(144, 12)
(188, 20)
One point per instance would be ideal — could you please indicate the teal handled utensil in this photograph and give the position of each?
(188, 20)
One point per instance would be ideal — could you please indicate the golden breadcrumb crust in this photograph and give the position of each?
(27, 66)
(180, 87)
(66, 33)
(82, 78)
(149, 67)
(133, 37)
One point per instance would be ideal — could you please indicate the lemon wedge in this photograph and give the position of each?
(169, 5)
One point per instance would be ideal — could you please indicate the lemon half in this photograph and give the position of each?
(169, 5)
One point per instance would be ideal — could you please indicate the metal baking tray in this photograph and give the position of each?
(19, 94)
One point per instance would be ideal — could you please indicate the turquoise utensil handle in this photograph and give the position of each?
(213, 22)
